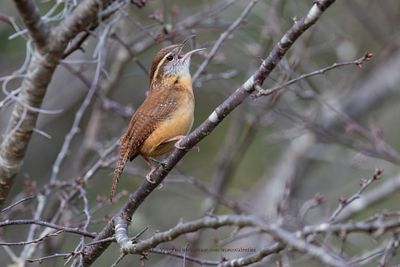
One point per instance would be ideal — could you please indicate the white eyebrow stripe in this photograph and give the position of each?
(160, 64)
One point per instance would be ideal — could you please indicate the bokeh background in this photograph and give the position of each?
(271, 155)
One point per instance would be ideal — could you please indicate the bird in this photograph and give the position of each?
(166, 115)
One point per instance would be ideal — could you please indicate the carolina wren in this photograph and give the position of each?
(165, 116)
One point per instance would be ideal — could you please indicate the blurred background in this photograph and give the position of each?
(316, 139)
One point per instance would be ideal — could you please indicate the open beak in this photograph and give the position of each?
(182, 45)
(188, 54)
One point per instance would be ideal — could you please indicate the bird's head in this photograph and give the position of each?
(171, 63)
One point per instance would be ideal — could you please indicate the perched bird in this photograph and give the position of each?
(165, 116)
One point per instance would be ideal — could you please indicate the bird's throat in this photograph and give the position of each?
(175, 82)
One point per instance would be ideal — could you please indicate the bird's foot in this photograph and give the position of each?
(152, 169)
(178, 144)
(149, 178)
(155, 161)
(160, 162)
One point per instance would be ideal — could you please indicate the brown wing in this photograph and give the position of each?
(156, 107)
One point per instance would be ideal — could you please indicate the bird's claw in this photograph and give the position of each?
(148, 176)
(149, 179)
(179, 146)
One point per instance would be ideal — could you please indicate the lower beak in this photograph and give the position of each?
(188, 54)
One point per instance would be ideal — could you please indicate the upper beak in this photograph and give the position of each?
(188, 54)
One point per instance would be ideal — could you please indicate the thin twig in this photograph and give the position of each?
(344, 202)
(200, 261)
(37, 240)
(118, 260)
(47, 224)
(389, 251)
(222, 38)
(79, 114)
(16, 203)
(358, 62)
(55, 255)
(256, 257)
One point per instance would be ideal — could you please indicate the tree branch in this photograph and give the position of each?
(37, 28)
(256, 257)
(373, 196)
(220, 221)
(358, 62)
(137, 198)
(33, 90)
(73, 230)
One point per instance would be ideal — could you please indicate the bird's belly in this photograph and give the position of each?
(179, 123)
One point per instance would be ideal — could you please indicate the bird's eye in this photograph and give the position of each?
(170, 57)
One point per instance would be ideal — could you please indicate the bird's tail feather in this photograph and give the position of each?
(117, 173)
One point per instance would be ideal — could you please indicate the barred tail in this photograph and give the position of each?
(117, 173)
